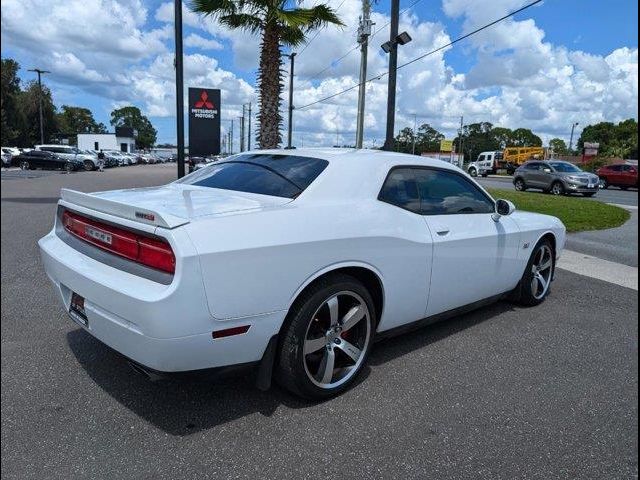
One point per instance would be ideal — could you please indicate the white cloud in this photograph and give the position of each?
(202, 43)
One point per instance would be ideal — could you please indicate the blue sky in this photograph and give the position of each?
(570, 49)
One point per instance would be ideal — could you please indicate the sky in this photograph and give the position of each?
(559, 62)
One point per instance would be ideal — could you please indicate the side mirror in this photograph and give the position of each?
(504, 208)
(546, 170)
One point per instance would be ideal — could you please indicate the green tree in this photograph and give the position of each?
(28, 103)
(279, 24)
(523, 137)
(559, 146)
(74, 120)
(11, 119)
(428, 139)
(502, 136)
(476, 138)
(132, 117)
(619, 140)
(404, 140)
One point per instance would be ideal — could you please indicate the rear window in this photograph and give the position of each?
(266, 174)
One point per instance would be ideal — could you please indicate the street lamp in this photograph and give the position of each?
(573, 126)
(40, 72)
(391, 47)
(292, 56)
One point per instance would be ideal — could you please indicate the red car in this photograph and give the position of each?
(620, 175)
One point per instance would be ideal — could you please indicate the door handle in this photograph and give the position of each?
(443, 231)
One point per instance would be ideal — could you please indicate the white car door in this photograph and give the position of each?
(474, 256)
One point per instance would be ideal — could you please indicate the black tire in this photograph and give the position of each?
(588, 194)
(523, 293)
(520, 185)
(485, 175)
(604, 184)
(69, 167)
(89, 165)
(473, 172)
(557, 188)
(25, 165)
(292, 369)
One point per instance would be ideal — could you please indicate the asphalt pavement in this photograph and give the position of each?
(611, 195)
(501, 393)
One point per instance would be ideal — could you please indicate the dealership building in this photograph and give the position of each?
(123, 139)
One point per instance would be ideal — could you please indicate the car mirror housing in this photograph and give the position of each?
(546, 170)
(504, 208)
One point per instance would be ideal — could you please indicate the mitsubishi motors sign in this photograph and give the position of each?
(204, 121)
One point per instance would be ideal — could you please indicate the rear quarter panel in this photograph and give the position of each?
(258, 262)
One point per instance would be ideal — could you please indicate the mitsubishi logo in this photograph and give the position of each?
(204, 101)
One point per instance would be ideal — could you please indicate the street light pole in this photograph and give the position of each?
(179, 87)
(573, 126)
(415, 124)
(393, 65)
(40, 72)
(249, 129)
(290, 127)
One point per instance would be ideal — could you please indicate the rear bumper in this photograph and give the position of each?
(167, 328)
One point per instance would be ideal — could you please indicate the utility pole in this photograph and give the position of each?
(460, 143)
(179, 87)
(242, 130)
(292, 56)
(40, 72)
(364, 30)
(415, 125)
(573, 126)
(249, 129)
(231, 140)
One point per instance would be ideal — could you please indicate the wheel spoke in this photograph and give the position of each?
(534, 286)
(546, 265)
(325, 372)
(313, 345)
(351, 350)
(543, 282)
(353, 316)
(332, 303)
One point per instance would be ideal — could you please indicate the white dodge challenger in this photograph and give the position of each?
(292, 261)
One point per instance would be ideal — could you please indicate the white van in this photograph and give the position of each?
(72, 153)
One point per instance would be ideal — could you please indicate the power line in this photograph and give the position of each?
(346, 54)
(459, 39)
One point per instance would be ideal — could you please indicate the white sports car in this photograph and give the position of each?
(292, 261)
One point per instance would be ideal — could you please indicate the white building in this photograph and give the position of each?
(123, 140)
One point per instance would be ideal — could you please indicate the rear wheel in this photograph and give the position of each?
(520, 185)
(69, 167)
(536, 280)
(89, 165)
(557, 188)
(327, 338)
(24, 165)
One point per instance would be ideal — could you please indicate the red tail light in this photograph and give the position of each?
(152, 252)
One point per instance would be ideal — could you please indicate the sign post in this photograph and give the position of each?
(204, 121)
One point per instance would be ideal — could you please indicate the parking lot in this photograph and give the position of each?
(503, 392)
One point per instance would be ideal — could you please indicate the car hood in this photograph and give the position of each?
(190, 202)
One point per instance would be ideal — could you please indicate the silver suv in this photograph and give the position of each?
(556, 177)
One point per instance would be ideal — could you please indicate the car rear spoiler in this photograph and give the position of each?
(122, 210)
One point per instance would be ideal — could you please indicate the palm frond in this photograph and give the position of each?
(214, 8)
(292, 36)
(244, 21)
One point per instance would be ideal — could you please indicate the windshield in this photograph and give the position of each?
(266, 174)
(565, 167)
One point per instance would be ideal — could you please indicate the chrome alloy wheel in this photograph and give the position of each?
(337, 339)
(541, 269)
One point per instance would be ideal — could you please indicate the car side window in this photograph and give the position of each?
(447, 193)
(532, 166)
(399, 189)
(481, 158)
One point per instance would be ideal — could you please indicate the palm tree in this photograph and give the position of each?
(280, 24)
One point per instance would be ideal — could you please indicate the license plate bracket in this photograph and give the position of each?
(77, 311)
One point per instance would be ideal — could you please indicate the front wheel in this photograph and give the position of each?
(557, 188)
(89, 165)
(604, 184)
(473, 172)
(69, 167)
(536, 280)
(327, 338)
(24, 165)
